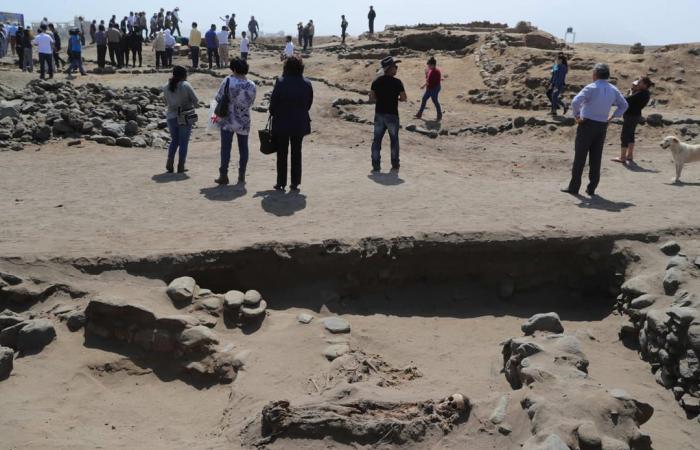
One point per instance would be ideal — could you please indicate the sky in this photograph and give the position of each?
(610, 21)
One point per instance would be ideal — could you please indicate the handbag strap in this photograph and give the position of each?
(269, 123)
(228, 79)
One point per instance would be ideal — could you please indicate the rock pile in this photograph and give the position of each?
(664, 319)
(190, 346)
(637, 49)
(23, 335)
(44, 110)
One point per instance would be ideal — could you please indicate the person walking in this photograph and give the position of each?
(194, 43)
(241, 94)
(343, 28)
(101, 41)
(300, 34)
(81, 30)
(557, 84)
(75, 48)
(182, 102)
(637, 99)
(12, 34)
(44, 43)
(432, 86)
(370, 17)
(168, 22)
(114, 38)
(93, 31)
(56, 47)
(288, 49)
(169, 47)
(307, 36)
(232, 26)
(154, 26)
(136, 45)
(212, 42)
(290, 103)
(222, 36)
(176, 21)
(591, 109)
(386, 92)
(158, 46)
(143, 25)
(253, 28)
(19, 46)
(245, 46)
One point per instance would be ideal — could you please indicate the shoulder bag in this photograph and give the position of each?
(222, 107)
(267, 140)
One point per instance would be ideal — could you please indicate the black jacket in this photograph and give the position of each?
(291, 101)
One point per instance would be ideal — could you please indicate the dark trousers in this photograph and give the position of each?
(176, 27)
(194, 52)
(113, 52)
(20, 55)
(306, 42)
(124, 51)
(213, 52)
(57, 60)
(136, 52)
(45, 59)
(253, 35)
(169, 56)
(343, 34)
(590, 140)
(101, 53)
(371, 26)
(160, 60)
(283, 144)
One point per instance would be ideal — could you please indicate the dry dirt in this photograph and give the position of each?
(61, 205)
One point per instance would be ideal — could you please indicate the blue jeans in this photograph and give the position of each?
(226, 143)
(76, 62)
(555, 100)
(179, 139)
(433, 95)
(382, 124)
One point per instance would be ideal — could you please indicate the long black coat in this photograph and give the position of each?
(291, 101)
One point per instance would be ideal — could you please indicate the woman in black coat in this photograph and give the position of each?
(291, 101)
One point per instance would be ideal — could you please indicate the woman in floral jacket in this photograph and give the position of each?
(241, 93)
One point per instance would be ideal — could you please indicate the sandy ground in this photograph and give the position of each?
(92, 200)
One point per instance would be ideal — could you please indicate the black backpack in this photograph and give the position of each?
(222, 108)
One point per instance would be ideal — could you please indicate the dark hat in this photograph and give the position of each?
(389, 61)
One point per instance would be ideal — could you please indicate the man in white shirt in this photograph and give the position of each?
(222, 36)
(44, 43)
(288, 49)
(245, 46)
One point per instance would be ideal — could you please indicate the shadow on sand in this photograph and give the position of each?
(386, 179)
(603, 204)
(224, 193)
(170, 177)
(280, 203)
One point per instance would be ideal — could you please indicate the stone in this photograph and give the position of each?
(252, 298)
(42, 133)
(254, 312)
(8, 319)
(131, 128)
(336, 325)
(519, 122)
(75, 320)
(499, 412)
(305, 318)
(697, 262)
(212, 303)
(7, 356)
(669, 248)
(112, 129)
(678, 261)
(124, 142)
(197, 338)
(637, 286)
(111, 310)
(694, 337)
(8, 111)
(643, 301)
(241, 358)
(690, 404)
(673, 280)
(182, 290)
(176, 323)
(549, 322)
(588, 436)
(233, 300)
(334, 351)
(655, 120)
(684, 316)
(553, 442)
(35, 335)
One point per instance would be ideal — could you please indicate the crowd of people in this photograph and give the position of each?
(292, 96)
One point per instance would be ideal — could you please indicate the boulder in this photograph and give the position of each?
(197, 338)
(7, 356)
(655, 120)
(112, 129)
(549, 322)
(131, 128)
(182, 290)
(336, 350)
(672, 280)
(541, 40)
(637, 286)
(305, 318)
(643, 301)
(35, 335)
(252, 298)
(124, 142)
(75, 320)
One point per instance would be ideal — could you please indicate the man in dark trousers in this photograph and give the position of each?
(114, 38)
(591, 109)
(387, 91)
(343, 28)
(232, 27)
(371, 16)
(253, 28)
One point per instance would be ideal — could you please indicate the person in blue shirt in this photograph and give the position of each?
(591, 109)
(557, 84)
(75, 49)
(212, 46)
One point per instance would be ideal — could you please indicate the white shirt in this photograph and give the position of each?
(223, 37)
(130, 20)
(44, 42)
(244, 45)
(289, 50)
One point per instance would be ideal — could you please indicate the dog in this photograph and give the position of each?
(682, 154)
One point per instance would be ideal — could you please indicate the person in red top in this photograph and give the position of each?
(433, 80)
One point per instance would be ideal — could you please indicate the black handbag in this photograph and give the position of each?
(267, 140)
(222, 106)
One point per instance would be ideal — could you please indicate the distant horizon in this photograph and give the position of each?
(623, 22)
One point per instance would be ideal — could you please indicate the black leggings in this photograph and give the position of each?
(57, 60)
(134, 52)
